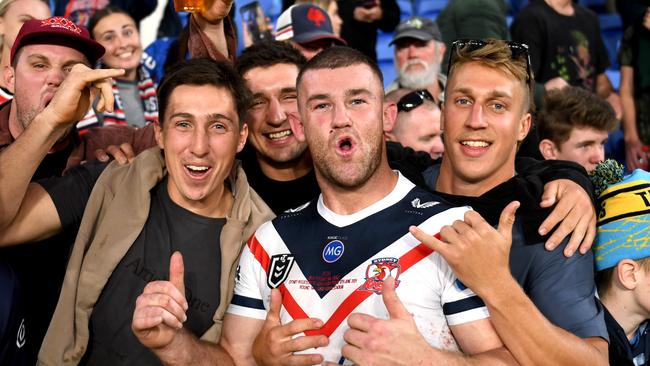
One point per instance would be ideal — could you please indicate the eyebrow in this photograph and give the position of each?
(211, 116)
(491, 94)
(348, 93)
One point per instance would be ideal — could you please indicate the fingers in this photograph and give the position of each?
(275, 306)
(101, 155)
(168, 289)
(127, 151)
(396, 309)
(549, 195)
(155, 309)
(427, 239)
(558, 214)
(303, 343)
(177, 272)
(588, 241)
(507, 219)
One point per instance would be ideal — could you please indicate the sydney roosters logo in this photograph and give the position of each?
(60, 22)
(378, 270)
(316, 16)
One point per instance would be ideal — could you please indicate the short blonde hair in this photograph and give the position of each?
(496, 54)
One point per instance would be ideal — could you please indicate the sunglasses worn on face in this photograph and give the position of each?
(413, 100)
(517, 49)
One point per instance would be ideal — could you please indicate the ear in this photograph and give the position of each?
(524, 126)
(390, 117)
(627, 273)
(243, 135)
(297, 128)
(548, 149)
(158, 132)
(9, 77)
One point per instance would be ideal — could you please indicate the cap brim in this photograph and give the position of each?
(91, 49)
(417, 34)
(316, 36)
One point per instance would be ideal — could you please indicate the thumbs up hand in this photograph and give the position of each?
(477, 252)
(394, 341)
(160, 309)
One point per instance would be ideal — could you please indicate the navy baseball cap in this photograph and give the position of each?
(416, 27)
(58, 31)
(305, 23)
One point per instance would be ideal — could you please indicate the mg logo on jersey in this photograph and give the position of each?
(378, 270)
(279, 269)
(333, 251)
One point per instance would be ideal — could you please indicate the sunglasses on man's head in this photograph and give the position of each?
(518, 50)
(413, 100)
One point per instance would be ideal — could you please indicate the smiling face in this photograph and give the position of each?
(17, 14)
(118, 33)
(483, 119)
(274, 98)
(39, 71)
(200, 139)
(342, 112)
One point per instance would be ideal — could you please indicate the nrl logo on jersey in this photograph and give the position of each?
(279, 269)
(417, 204)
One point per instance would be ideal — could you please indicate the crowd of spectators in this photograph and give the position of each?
(188, 202)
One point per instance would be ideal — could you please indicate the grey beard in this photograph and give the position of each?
(420, 79)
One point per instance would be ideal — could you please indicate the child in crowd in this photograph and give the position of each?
(622, 253)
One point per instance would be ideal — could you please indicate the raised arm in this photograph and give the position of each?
(158, 323)
(20, 202)
(479, 256)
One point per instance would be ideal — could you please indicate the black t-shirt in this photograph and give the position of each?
(168, 228)
(12, 320)
(40, 267)
(570, 47)
(279, 196)
(624, 352)
(563, 289)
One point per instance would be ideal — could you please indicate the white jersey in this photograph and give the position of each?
(328, 266)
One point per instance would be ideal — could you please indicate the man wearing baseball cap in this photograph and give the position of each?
(44, 54)
(419, 50)
(308, 28)
(622, 253)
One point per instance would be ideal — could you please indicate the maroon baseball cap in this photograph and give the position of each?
(58, 31)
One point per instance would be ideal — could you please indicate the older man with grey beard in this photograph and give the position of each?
(419, 50)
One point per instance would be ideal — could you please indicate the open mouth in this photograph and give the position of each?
(475, 144)
(197, 171)
(475, 148)
(345, 145)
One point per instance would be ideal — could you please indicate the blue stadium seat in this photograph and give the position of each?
(406, 8)
(384, 51)
(596, 5)
(614, 76)
(612, 31)
(388, 70)
(430, 8)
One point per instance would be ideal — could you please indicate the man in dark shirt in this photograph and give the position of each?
(277, 165)
(193, 199)
(42, 55)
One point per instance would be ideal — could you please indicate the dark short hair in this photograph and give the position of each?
(103, 13)
(266, 54)
(605, 278)
(338, 57)
(203, 71)
(570, 107)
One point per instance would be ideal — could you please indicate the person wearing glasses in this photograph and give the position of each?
(417, 124)
(541, 302)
